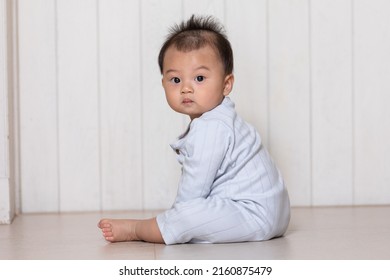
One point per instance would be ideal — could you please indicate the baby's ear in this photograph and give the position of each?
(228, 84)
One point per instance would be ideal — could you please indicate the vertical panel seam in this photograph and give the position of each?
(353, 92)
(267, 81)
(310, 102)
(99, 108)
(5, 86)
(57, 105)
(141, 106)
(16, 114)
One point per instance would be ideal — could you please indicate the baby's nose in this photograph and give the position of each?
(187, 88)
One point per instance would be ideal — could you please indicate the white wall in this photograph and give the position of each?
(7, 178)
(311, 75)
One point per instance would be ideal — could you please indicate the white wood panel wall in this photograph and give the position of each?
(311, 75)
(371, 102)
(331, 102)
(7, 178)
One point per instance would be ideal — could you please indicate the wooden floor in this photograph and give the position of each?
(314, 234)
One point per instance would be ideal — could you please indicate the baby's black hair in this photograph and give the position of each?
(196, 33)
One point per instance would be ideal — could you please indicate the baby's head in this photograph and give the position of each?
(196, 33)
(196, 63)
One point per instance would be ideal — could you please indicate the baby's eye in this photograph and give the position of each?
(176, 80)
(199, 78)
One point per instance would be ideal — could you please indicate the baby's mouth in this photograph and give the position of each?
(187, 101)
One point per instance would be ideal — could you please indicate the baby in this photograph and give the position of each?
(230, 190)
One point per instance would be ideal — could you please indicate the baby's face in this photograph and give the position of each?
(194, 81)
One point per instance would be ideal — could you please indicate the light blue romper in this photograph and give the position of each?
(230, 190)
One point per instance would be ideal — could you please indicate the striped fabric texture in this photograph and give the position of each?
(230, 189)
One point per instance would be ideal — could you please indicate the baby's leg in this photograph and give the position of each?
(210, 220)
(115, 230)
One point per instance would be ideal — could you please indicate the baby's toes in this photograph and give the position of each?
(104, 223)
(107, 233)
(106, 229)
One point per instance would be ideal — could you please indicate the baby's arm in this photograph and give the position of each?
(115, 230)
(205, 150)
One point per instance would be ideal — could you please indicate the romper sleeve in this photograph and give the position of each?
(204, 151)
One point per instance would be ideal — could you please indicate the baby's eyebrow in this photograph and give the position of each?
(170, 70)
(202, 67)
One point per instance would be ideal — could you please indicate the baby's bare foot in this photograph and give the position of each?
(115, 230)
